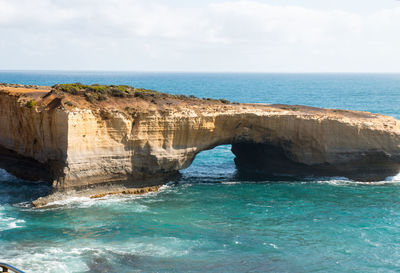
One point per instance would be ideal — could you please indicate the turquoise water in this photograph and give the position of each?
(210, 220)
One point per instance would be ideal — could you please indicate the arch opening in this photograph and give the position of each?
(212, 165)
(242, 161)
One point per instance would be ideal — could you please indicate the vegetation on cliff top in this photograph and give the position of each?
(97, 92)
(102, 92)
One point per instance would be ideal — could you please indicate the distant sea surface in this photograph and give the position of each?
(210, 220)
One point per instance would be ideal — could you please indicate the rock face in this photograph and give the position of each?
(138, 142)
(33, 144)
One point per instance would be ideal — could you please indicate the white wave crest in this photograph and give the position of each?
(76, 256)
(342, 181)
(230, 183)
(395, 178)
(9, 222)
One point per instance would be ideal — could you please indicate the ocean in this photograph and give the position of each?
(210, 220)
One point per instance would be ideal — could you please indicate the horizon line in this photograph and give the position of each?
(193, 72)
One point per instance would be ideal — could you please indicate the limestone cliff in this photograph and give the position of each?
(33, 144)
(141, 141)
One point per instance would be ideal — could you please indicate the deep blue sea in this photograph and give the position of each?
(210, 220)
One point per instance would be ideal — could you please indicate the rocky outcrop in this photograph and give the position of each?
(33, 144)
(139, 142)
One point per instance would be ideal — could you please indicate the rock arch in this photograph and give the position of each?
(308, 141)
(88, 145)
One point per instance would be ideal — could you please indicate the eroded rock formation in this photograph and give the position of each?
(140, 142)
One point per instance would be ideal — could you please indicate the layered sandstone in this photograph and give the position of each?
(140, 142)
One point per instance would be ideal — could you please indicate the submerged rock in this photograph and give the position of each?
(141, 139)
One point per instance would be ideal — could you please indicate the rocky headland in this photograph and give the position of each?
(119, 139)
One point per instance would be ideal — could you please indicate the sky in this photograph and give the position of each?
(201, 36)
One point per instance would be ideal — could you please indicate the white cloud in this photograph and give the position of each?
(220, 36)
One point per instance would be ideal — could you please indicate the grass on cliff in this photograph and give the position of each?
(97, 92)
(30, 104)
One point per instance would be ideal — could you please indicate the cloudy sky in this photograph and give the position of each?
(206, 35)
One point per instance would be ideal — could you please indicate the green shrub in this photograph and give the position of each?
(89, 97)
(182, 97)
(101, 97)
(116, 92)
(30, 104)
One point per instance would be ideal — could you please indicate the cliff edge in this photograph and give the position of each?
(78, 136)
